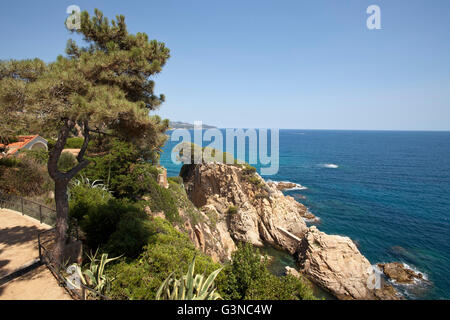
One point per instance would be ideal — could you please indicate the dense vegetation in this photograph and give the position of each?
(111, 213)
(24, 176)
(168, 250)
(247, 277)
(104, 87)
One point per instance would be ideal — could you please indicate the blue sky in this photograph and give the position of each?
(274, 64)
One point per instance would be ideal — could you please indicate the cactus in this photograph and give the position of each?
(189, 287)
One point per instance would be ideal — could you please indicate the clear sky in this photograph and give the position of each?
(274, 64)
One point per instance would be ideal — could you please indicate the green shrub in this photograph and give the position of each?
(167, 251)
(232, 210)
(7, 139)
(71, 143)
(207, 154)
(163, 200)
(237, 278)
(40, 156)
(247, 277)
(116, 225)
(74, 143)
(83, 198)
(133, 184)
(262, 195)
(123, 171)
(271, 287)
(100, 223)
(177, 180)
(248, 169)
(66, 162)
(9, 162)
(180, 200)
(117, 162)
(254, 180)
(50, 144)
(249, 175)
(131, 235)
(25, 177)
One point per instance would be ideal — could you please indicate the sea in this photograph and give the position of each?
(389, 191)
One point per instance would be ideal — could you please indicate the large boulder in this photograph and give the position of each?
(398, 272)
(335, 263)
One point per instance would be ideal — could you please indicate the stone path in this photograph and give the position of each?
(18, 247)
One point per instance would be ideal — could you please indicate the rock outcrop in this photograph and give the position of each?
(162, 178)
(335, 263)
(292, 272)
(247, 208)
(285, 185)
(399, 273)
(210, 236)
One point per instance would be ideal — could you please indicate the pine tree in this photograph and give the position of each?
(105, 87)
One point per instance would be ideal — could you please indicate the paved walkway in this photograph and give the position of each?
(38, 284)
(18, 247)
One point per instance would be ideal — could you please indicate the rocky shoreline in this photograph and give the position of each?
(245, 207)
(399, 273)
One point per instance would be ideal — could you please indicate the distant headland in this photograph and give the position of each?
(185, 125)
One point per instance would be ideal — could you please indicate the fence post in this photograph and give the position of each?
(40, 214)
(39, 245)
(21, 200)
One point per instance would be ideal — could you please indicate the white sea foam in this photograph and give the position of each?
(314, 220)
(424, 276)
(411, 290)
(298, 186)
(406, 266)
(330, 166)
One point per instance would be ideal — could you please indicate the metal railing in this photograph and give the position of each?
(46, 239)
(29, 208)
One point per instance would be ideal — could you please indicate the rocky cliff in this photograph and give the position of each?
(245, 206)
(236, 204)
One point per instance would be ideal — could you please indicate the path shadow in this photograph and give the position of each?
(18, 234)
(3, 262)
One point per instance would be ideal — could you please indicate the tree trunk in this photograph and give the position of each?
(61, 183)
(62, 215)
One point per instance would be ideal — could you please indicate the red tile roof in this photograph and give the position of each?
(16, 146)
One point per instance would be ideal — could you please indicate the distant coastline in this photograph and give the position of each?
(184, 125)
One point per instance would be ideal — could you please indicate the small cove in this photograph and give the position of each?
(280, 259)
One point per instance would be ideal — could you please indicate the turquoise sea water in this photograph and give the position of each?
(388, 191)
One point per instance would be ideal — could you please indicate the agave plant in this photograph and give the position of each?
(84, 181)
(189, 287)
(94, 277)
(95, 184)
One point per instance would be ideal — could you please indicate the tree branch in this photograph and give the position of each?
(84, 147)
(75, 170)
(101, 132)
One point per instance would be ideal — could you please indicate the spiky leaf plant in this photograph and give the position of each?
(189, 287)
(94, 277)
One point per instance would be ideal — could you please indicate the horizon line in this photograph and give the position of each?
(386, 130)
